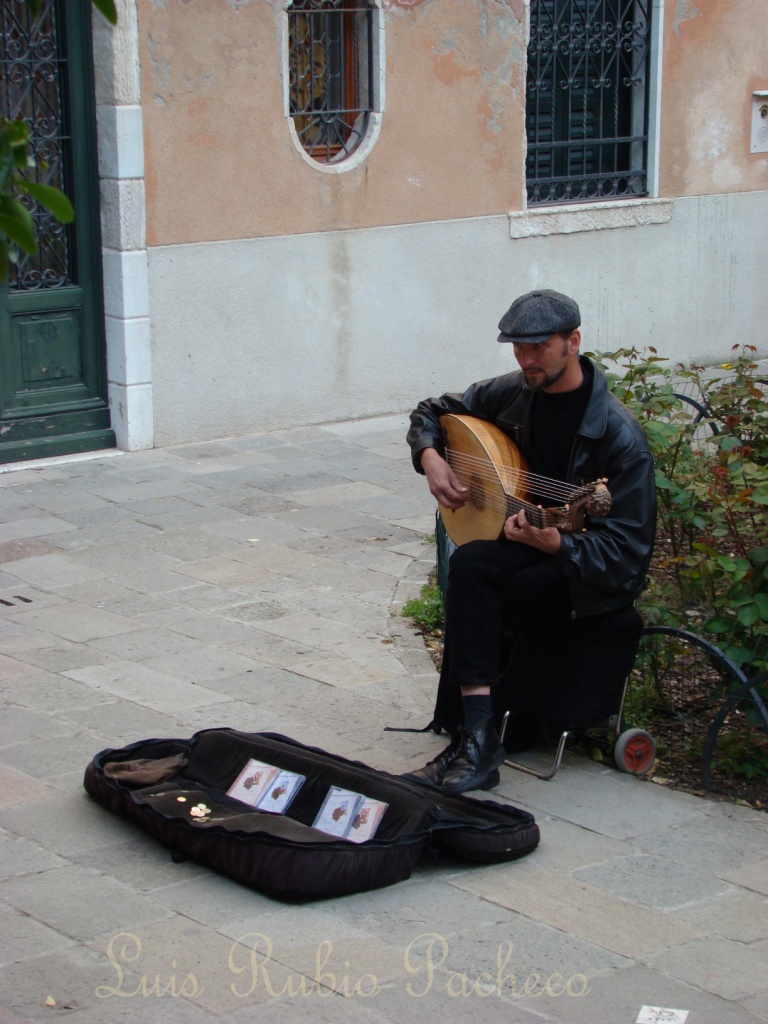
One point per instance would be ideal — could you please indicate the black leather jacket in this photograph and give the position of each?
(607, 564)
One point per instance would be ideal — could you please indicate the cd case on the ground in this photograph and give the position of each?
(349, 815)
(265, 787)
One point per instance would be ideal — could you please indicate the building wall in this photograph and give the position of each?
(221, 162)
(265, 333)
(124, 227)
(715, 57)
(281, 293)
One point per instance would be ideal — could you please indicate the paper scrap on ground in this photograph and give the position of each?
(661, 1015)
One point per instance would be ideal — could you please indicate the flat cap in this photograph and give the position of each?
(538, 315)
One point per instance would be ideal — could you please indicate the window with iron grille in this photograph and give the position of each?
(587, 100)
(331, 74)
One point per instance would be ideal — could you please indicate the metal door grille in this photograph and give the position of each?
(331, 75)
(31, 73)
(586, 100)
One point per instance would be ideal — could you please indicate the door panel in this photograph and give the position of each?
(53, 394)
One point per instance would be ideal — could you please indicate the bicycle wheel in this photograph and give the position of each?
(677, 686)
(735, 759)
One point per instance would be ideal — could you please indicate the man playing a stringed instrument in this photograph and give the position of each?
(545, 483)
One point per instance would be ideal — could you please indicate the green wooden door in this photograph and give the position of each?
(53, 394)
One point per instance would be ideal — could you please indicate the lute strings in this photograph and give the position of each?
(475, 467)
(471, 469)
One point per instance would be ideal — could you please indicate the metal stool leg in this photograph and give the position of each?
(533, 771)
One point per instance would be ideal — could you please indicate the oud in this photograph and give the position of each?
(490, 465)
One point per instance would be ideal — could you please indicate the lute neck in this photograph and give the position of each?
(536, 516)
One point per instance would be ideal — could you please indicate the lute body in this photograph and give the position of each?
(490, 464)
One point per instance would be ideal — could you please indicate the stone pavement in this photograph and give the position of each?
(256, 583)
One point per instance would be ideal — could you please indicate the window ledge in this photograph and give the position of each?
(566, 220)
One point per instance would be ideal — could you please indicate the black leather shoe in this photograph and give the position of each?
(475, 763)
(433, 773)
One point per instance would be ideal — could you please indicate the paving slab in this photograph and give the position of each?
(223, 572)
(57, 756)
(122, 721)
(721, 848)
(627, 808)
(617, 996)
(52, 571)
(654, 882)
(189, 544)
(147, 643)
(33, 526)
(99, 592)
(79, 902)
(22, 937)
(18, 725)
(137, 682)
(206, 597)
(44, 650)
(735, 914)
(200, 663)
(13, 550)
(49, 692)
(729, 969)
(122, 558)
(68, 979)
(18, 788)
(326, 520)
(63, 824)
(77, 622)
(19, 856)
(576, 908)
(210, 628)
(156, 581)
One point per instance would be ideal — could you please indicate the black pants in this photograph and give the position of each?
(493, 586)
(558, 669)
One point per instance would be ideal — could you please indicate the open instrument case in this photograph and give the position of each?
(177, 791)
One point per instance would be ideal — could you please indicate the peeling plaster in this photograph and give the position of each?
(403, 8)
(160, 68)
(715, 140)
(450, 43)
(684, 9)
(493, 122)
(502, 9)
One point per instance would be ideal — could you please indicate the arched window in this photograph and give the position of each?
(333, 73)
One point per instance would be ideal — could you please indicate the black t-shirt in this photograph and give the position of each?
(554, 421)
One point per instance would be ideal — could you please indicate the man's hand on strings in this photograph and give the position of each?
(518, 529)
(444, 485)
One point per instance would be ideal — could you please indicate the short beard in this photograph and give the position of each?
(542, 383)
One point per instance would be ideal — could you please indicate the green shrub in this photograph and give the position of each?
(710, 571)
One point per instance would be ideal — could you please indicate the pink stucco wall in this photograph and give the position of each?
(221, 163)
(715, 56)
